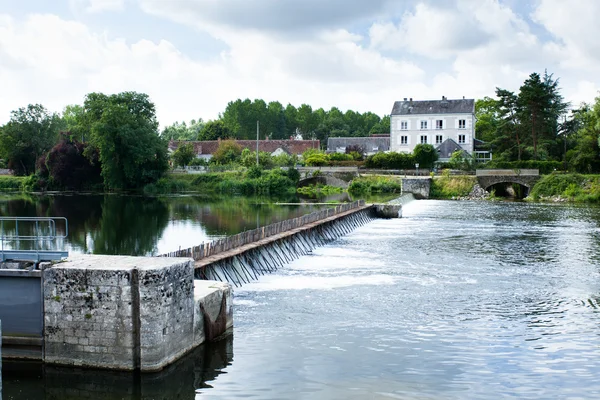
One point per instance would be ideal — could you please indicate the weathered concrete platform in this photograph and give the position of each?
(129, 313)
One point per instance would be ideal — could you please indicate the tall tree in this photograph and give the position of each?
(540, 105)
(31, 131)
(183, 130)
(124, 129)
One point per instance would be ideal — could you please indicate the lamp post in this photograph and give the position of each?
(417, 165)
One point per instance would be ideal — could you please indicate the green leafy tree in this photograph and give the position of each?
(425, 155)
(183, 130)
(124, 129)
(184, 155)
(31, 132)
(214, 130)
(227, 152)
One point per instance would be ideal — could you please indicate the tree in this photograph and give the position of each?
(184, 154)
(68, 167)
(540, 106)
(124, 129)
(509, 128)
(425, 155)
(31, 131)
(227, 152)
(183, 131)
(214, 130)
(382, 126)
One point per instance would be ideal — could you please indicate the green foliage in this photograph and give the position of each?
(254, 172)
(425, 155)
(214, 130)
(545, 167)
(183, 155)
(227, 152)
(462, 161)
(390, 160)
(316, 160)
(557, 185)
(124, 129)
(293, 174)
(319, 190)
(30, 132)
(198, 162)
(248, 159)
(448, 187)
(285, 160)
(184, 131)
(11, 183)
(374, 184)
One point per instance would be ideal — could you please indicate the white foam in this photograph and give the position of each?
(299, 282)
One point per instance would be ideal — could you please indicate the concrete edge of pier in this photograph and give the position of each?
(127, 313)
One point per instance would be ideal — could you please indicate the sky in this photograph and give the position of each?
(194, 56)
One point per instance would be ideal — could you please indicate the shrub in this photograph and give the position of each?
(545, 167)
(228, 151)
(316, 160)
(374, 184)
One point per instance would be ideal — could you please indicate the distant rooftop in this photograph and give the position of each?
(443, 106)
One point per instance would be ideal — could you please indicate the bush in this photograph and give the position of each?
(558, 185)
(248, 159)
(375, 184)
(229, 151)
(316, 160)
(545, 167)
(11, 183)
(254, 172)
(390, 160)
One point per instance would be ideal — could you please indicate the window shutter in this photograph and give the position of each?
(408, 124)
(444, 123)
(456, 123)
(468, 123)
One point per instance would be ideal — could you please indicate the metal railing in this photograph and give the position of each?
(32, 238)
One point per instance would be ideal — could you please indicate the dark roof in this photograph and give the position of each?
(289, 146)
(367, 143)
(448, 147)
(444, 106)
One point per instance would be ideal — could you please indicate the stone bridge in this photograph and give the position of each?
(490, 177)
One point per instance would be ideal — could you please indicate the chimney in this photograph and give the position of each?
(411, 99)
(443, 97)
(405, 99)
(463, 97)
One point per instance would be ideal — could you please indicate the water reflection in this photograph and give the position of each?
(137, 225)
(182, 380)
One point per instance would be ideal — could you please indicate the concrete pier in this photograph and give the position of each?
(388, 211)
(128, 313)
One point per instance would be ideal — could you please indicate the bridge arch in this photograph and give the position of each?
(508, 185)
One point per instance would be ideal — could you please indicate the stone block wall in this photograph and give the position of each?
(118, 312)
(418, 187)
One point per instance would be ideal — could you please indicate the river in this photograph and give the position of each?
(455, 300)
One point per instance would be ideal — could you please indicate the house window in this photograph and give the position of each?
(461, 139)
(404, 140)
(439, 124)
(403, 125)
(423, 139)
(462, 124)
(438, 139)
(423, 124)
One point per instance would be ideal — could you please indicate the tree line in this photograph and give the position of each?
(536, 125)
(239, 119)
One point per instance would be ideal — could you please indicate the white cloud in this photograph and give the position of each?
(279, 52)
(97, 6)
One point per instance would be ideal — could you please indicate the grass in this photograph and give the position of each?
(9, 183)
(448, 187)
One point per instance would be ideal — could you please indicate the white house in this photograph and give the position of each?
(448, 125)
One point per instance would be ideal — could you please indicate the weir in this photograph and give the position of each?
(244, 257)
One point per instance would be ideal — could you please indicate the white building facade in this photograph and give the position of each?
(450, 123)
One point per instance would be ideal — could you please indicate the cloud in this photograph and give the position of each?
(268, 15)
(431, 31)
(574, 27)
(97, 6)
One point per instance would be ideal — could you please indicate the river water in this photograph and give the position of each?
(455, 300)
